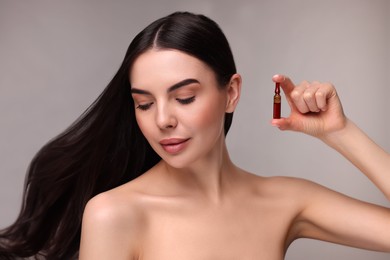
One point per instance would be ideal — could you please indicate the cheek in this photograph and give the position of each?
(144, 125)
(209, 116)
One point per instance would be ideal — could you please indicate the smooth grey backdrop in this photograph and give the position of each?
(57, 56)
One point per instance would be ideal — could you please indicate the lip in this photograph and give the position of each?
(174, 145)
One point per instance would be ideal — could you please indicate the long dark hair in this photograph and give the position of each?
(104, 148)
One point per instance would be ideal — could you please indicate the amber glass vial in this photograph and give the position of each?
(277, 101)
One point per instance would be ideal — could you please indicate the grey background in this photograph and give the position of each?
(57, 56)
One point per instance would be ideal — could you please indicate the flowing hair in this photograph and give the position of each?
(104, 148)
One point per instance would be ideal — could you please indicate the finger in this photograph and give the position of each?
(287, 124)
(310, 96)
(298, 97)
(287, 87)
(285, 82)
(323, 94)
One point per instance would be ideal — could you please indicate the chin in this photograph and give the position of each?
(176, 163)
(179, 161)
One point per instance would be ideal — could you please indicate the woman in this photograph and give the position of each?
(150, 158)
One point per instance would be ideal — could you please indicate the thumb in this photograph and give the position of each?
(286, 124)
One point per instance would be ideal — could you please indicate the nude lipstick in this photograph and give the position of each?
(174, 145)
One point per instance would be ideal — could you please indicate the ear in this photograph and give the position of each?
(233, 93)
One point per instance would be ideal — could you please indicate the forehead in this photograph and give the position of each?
(166, 67)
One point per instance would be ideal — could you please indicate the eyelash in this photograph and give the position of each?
(184, 101)
(144, 107)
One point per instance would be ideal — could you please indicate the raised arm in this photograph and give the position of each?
(316, 110)
(327, 215)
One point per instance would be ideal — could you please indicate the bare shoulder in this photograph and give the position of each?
(283, 185)
(115, 207)
(124, 205)
(112, 225)
(290, 184)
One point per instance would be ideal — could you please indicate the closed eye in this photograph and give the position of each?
(186, 101)
(144, 107)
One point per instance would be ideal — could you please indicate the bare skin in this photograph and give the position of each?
(196, 204)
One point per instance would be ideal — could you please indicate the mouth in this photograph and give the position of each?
(174, 145)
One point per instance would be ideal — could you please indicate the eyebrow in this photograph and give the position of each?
(170, 89)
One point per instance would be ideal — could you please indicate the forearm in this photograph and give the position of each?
(364, 153)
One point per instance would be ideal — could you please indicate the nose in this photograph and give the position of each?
(165, 118)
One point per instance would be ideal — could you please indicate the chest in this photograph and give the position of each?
(245, 231)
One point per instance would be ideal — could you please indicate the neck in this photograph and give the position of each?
(210, 177)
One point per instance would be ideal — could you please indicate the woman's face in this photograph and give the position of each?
(179, 107)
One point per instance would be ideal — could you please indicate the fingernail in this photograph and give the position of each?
(273, 123)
